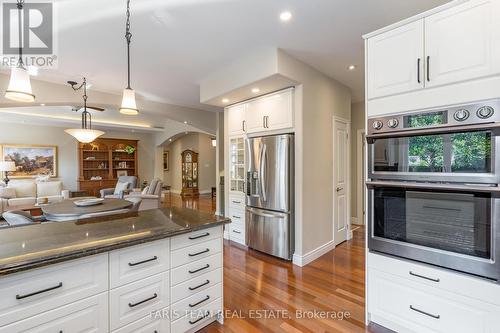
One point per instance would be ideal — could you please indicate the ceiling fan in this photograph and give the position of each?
(77, 87)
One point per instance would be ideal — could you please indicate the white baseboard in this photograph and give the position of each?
(313, 255)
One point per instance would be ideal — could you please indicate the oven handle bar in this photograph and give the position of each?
(435, 186)
(370, 138)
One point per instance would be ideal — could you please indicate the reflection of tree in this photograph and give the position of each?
(468, 151)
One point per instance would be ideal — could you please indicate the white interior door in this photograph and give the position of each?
(341, 179)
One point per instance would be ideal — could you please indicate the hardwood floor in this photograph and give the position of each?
(266, 294)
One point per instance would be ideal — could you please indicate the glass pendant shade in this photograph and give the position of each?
(128, 103)
(19, 89)
(84, 135)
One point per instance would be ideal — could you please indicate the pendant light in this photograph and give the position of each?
(85, 134)
(128, 107)
(19, 88)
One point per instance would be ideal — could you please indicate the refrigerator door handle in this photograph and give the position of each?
(262, 172)
(266, 213)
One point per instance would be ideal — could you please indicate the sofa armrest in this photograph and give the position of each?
(106, 191)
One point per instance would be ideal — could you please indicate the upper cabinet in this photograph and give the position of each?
(457, 44)
(463, 42)
(236, 119)
(395, 60)
(272, 112)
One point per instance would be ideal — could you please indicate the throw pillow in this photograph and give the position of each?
(120, 188)
(146, 190)
(7, 192)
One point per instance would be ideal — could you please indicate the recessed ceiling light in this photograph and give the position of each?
(185, 122)
(225, 100)
(42, 104)
(255, 90)
(170, 140)
(351, 67)
(285, 16)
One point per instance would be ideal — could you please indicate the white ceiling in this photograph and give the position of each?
(177, 43)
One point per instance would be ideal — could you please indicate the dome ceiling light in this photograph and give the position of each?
(85, 134)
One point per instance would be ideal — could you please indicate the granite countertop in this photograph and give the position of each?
(32, 246)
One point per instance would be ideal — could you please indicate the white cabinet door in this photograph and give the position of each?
(271, 112)
(236, 119)
(463, 42)
(255, 115)
(395, 61)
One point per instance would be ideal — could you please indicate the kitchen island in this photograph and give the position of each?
(151, 271)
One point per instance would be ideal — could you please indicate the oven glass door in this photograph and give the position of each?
(458, 222)
(452, 154)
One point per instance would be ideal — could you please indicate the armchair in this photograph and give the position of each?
(151, 196)
(118, 192)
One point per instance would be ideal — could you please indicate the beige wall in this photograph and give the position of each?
(357, 123)
(13, 133)
(318, 99)
(200, 143)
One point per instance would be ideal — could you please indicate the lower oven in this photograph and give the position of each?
(451, 226)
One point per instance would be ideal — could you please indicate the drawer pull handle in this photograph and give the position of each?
(39, 292)
(424, 313)
(199, 236)
(131, 264)
(198, 303)
(236, 217)
(236, 231)
(199, 286)
(198, 253)
(143, 301)
(236, 202)
(424, 277)
(192, 322)
(199, 269)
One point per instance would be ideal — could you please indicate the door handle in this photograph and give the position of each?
(339, 189)
(243, 123)
(418, 70)
(263, 172)
(428, 68)
(264, 121)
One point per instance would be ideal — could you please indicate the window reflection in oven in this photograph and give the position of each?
(469, 152)
(449, 221)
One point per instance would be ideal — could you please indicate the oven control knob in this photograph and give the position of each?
(393, 123)
(461, 115)
(485, 112)
(377, 124)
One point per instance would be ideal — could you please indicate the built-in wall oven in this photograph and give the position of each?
(433, 192)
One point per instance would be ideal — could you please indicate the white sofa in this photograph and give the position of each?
(27, 192)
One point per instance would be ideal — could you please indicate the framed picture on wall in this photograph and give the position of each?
(120, 173)
(31, 160)
(165, 160)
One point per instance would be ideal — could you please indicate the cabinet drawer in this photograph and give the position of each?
(237, 200)
(420, 308)
(196, 268)
(88, 315)
(25, 294)
(138, 299)
(200, 318)
(237, 215)
(454, 282)
(237, 231)
(137, 262)
(147, 325)
(195, 252)
(195, 237)
(195, 285)
(193, 303)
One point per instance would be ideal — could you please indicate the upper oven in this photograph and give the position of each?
(458, 144)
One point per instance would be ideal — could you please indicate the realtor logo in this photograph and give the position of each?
(37, 34)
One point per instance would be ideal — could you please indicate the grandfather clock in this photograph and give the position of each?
(189, 173)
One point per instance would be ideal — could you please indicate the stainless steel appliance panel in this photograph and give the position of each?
(269, 232)
(269, 172)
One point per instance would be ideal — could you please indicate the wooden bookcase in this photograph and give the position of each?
(104, 158)
(189, 173)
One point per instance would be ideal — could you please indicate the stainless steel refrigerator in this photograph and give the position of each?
(270, 195)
